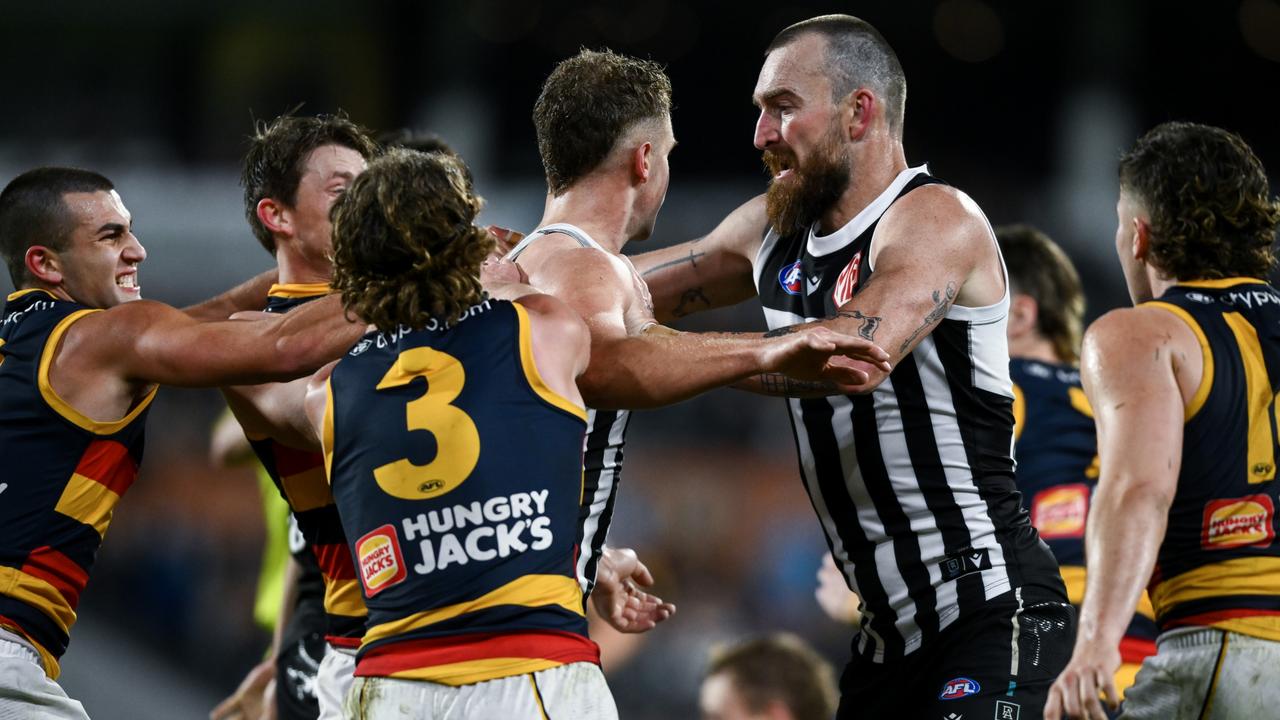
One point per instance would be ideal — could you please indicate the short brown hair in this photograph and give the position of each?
(587, 103)
(33, 211)
(780, 667)
(1039, 268)
(857, 56)
(277, 153)
(1210, 205)
(404, 243)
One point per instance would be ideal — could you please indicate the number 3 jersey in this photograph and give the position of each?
(458, 475)
(1219, 563)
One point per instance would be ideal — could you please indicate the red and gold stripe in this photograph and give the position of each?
(105, 471)
(466, 659)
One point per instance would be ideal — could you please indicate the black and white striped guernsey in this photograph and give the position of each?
(913, 483)
(601, 451)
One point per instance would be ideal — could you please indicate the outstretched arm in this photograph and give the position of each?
(1128, 371)
(618, 597)
(248, 295)
(709, 272)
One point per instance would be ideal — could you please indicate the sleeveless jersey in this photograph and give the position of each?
(1219, 563)
(64, 474)
(602, 448)
(913, 483)
(299, 475)
(1056, 447)
(458, 474)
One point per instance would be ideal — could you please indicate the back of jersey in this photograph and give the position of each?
(1219, 564)
(458, 476)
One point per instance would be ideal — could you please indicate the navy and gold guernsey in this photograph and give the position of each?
(458, 474)
(1056, 446)
(64, 474)
(1219, 563)
(300, 477)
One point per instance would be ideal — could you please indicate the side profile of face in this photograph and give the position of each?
(99, 266)
(1130, 217)
(799, 133)
(326, 174)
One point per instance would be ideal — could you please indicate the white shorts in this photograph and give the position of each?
(1206, 673)
(333, 681)
(577, 690)
(26, 693)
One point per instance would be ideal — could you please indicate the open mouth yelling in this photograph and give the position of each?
(129, 282)
(779, 165)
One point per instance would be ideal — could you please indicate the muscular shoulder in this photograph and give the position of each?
(1131, 347)
(553, 317)
(107, 331)
(944, 217)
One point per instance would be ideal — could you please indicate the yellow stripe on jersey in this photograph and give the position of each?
(1260, 465)
(342, 597)
(531, 373)
(1019, 412)
(1237, 576)
(1222, 283)
(527, 591)
(47, 660)
(19, 293)
(1080, 401)
(38, 594)
(326, 429)
(88, 501)
(1075, 578)
(1206, 377)
(61, 406)
(298, 290)
(474, 671)
(307, 490)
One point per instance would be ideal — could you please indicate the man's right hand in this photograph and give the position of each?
(254, 699)
(811, 353)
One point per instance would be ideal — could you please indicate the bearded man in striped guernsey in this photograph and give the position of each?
(1184, 389)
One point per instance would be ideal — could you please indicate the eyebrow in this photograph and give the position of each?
(344, 174)
(772, 95)
(112, 229)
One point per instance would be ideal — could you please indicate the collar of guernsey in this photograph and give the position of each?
(298, 290)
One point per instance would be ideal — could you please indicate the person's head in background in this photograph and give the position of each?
(1046, 307)
(421, 140)
(773, 677)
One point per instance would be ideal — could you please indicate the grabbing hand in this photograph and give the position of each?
(1091, 672)
(618, 597)
(506, 237)
(815, 353)
(833, 594)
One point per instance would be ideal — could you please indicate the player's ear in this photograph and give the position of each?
(274, 216)
(1141, 238)
(856, 111)
(640, 159)
(43, 264)
(1023, 313)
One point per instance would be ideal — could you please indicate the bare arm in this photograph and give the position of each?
(649, 366)
(248, 295)
(275, 410)
(709, 272)
(1129, 370)
(933, 248)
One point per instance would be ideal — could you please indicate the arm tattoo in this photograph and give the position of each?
(779, 384)
(870, 323)
(689, 300)
(779, 332)
(691, 258)
(940, 306)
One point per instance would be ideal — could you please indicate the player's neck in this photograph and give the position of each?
(297, 268)
(603, 212)
(1034, 347)
(872, 170)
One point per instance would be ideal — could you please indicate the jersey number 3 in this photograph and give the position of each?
(457, 440)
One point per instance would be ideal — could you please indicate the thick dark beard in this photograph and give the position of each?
(796, 203)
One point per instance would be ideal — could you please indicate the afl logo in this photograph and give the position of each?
(960, 687)
(791, 278)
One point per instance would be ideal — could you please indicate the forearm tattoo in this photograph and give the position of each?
(870, 323)
(942, 301)
(779, 384)
(689, 301)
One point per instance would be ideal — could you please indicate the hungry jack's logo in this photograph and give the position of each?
(1237, 522)
(1060, 512)
(381, 562)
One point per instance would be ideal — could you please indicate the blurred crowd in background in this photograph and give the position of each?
(1025, 106)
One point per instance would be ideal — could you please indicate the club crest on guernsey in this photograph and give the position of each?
(791, 278)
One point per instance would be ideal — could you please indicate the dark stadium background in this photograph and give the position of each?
(1026, 106)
